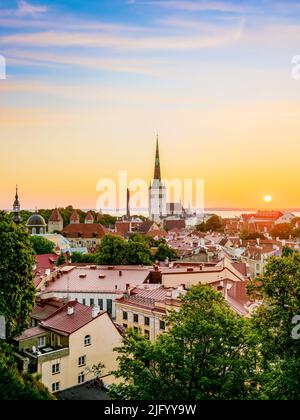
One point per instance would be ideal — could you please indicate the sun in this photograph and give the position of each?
(268, 198)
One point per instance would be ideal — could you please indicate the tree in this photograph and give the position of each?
(111, 250)
(61, 260)
(16, 276)
(207, 353)
(107, 220)
(137, 253)
(77, 257)
(273, 322)
(245, 235)
(214, 224)
(164, 252)
(282, 231)
(15, 386)
(42, 245)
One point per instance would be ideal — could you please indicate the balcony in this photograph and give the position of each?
(46, 354)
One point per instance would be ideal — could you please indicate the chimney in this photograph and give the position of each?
(120, 273)
(70, 310)
(95, 311)
(127, 286)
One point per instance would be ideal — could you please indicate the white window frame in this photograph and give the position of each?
(43, 339)
(55, 387)
(81, 379)
(55, 368)
(83, 360)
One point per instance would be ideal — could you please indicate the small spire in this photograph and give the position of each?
(17, 208)
(157, 172)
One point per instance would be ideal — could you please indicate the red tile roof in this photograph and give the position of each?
(56, 216)
(89, 217)
(93, 230)
(74, 216)
(68, 324)
(157, 233)
(46, 308)
(31, 332)
(46, 261)
(174, 224)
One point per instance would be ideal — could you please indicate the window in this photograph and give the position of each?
(41, 341)
(136, 329)
(92, 302)
(82, 361)
(34, 231)
(135, 318)
(87, 340)
(83, 301)
(55, 368)
(125, 316)
(109, 306)
(147, 334)
(81, 378)
(125, 325)
(162, 325)
(147, 321)
(100, 304)
(56, 387)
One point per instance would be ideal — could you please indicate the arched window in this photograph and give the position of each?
(41, 231)
(34, 231)
(87, 340)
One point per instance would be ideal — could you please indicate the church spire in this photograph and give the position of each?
(17, 208)
(157, 173)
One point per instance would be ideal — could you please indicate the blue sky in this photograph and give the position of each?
(207, 75)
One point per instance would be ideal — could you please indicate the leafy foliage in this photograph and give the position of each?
(42, 245)
(280, 290)
(16, 275)
(213, 224)
(164, 252)
(207, 353)
(15, 386)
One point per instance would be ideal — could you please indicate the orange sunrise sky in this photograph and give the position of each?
(86, 91)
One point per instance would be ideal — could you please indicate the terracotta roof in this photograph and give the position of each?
(31, 332)
(68, 324)
(274, 215)
(74, 216)
(93, 230)
(146, 226)
(89, 217)
(157, 233)
(56, 216)
(100, 280)
(174, 224)
(46, 261)
(122, 228)
(46, 308)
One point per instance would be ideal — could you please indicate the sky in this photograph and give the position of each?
(90, 83)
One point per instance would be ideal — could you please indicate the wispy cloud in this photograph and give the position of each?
(25, 9)
(122, 42)
(196, 6)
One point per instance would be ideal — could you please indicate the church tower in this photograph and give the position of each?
(157, 192)
(16, 209)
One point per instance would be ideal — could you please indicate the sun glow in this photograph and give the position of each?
(268, 198)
